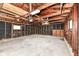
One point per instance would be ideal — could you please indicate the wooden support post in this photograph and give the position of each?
(66, 29)
(78, 30)
(74, 31)
(5, 29)
(12, 30)
(21, 30)
(24, 29)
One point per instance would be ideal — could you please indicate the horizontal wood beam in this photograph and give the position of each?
(60, 20)
(6, 17)
(41, 7)
(48, 11)
(45, 6)
(56, 19)
(60, 16)
(12, 14)
(39, 19)
(55, 14)
(56, 8)
(4, 11)
(66, 6)
(14, 9)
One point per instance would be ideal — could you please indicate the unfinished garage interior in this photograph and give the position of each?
(39, 29)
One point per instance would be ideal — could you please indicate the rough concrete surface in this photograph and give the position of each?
(34, 45)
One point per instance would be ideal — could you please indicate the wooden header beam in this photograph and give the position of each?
(60, 20)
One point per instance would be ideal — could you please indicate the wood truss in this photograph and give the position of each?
(53, 11)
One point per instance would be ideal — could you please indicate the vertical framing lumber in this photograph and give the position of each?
(24, 29)
(74, 31)
(12, 30)
(21, 30)
(5, 29)
(78, 29)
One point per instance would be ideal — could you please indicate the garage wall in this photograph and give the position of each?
(2, 30)
(28, 29)
(68, 33)
(8, 30)
(42, 29)
(45, 29)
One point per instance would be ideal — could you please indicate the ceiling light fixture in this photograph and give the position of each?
(30, 19)
(16, 16)
(17, 19)
(35, 12)
(46, 22)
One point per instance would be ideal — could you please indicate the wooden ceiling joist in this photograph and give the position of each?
(56, 8)
(6, 17)
(12, 14)
(60, 20)
(41, 7)
(45, 6)
(47, 10)
(58, 17)
(14, 9)
(7, 12)
(66, 6)
(57, 13)
(50, 20)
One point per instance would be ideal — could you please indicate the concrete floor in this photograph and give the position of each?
(34, 45)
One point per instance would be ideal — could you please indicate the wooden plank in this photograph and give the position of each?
(58, 32)
(56, 18)
(6, 17)
(42, 7)
(56, 8)
(14, 9)
(66, 6)
(55, 14)
(74, 31)
(11, 30)
(7, 12)
(78, 29)
(45, 6)
(59, 20)
(5, 29)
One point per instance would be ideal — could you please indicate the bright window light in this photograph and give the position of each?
(70, 24)
(17, 27)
